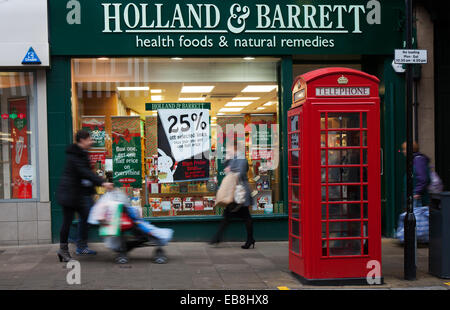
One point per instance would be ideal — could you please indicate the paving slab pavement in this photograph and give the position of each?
(191, 266)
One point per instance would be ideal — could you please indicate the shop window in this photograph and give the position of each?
(164, 128)
(18, 177)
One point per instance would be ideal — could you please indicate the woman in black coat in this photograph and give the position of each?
(75, 192)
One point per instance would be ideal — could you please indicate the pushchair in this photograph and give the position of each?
(125, 229)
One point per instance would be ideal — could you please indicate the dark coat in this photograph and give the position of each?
(421, 178)
(77, 179)
(241, 166)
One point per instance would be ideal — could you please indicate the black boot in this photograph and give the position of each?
(63, 253)
(248, 243)
(249, 227)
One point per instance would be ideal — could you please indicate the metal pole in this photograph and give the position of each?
(410, 220)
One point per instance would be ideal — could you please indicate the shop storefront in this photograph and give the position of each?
(167, 89)
(24, 56)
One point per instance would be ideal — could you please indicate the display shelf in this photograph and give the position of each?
(183, 213)
(154, 195)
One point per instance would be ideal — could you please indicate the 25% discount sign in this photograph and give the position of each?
(185, 122)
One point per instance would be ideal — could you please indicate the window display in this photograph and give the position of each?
(17, 141)
(162, 127)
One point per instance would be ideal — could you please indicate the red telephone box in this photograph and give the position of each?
(334, 177)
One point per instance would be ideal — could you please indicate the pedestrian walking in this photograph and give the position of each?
(421, 175)
(74, 194)
(238, 163)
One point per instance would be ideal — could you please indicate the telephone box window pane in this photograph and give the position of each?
(365, 193)
(344, 229)
(345, 247)
(323, 158)
(343, 138)
(365, 229)
(295, 141)
(344, 193)
(365, 211)
(294, 123)
(343, 120)
(295, 193)
(295, 228)
(364, 120)
(323, 139)
(295, 211)
(344, 211)
(322, 120)
(295, 245)
(324, 193)
(324, 212)
(365, 171)
(295, 174)
(344, 175)
(324, 175)
(364, 157)
(344, 157)
(324, 230)
(364, 138)
(365, 247)
(295, 158)
(324, 248)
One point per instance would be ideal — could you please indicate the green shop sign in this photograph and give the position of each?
(199, 27)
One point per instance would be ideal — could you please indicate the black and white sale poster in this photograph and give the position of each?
(183, 142)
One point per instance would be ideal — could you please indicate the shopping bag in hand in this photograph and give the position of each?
(422, 225)
(113, 216)
(225, 194)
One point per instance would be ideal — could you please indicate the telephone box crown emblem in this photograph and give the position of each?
(342, 80)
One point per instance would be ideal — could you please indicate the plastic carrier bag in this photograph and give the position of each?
(422, 215)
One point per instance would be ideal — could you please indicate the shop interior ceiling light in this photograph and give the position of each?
(197, 89)
(268, 104)
(156, 98)
(155, 91)
(230, 110)
(260, 108)
(192, 99)
(176, 58)
(133, 88)
(246, 98)
(249, 58)
(238, 104)
(259, 88)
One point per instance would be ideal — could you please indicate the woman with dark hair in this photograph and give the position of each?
(75, 192)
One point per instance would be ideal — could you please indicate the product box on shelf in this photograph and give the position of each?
(166, 205)
(188, 204)
(177, 203)
(155, 203)
(174, 188)
(165, 188)
(154, 187)
(198, 205)
(208, 203)
(193, 187)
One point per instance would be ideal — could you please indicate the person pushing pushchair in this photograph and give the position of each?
(124, 229)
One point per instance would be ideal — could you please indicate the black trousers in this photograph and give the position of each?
(228, 214)
(83, 210)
